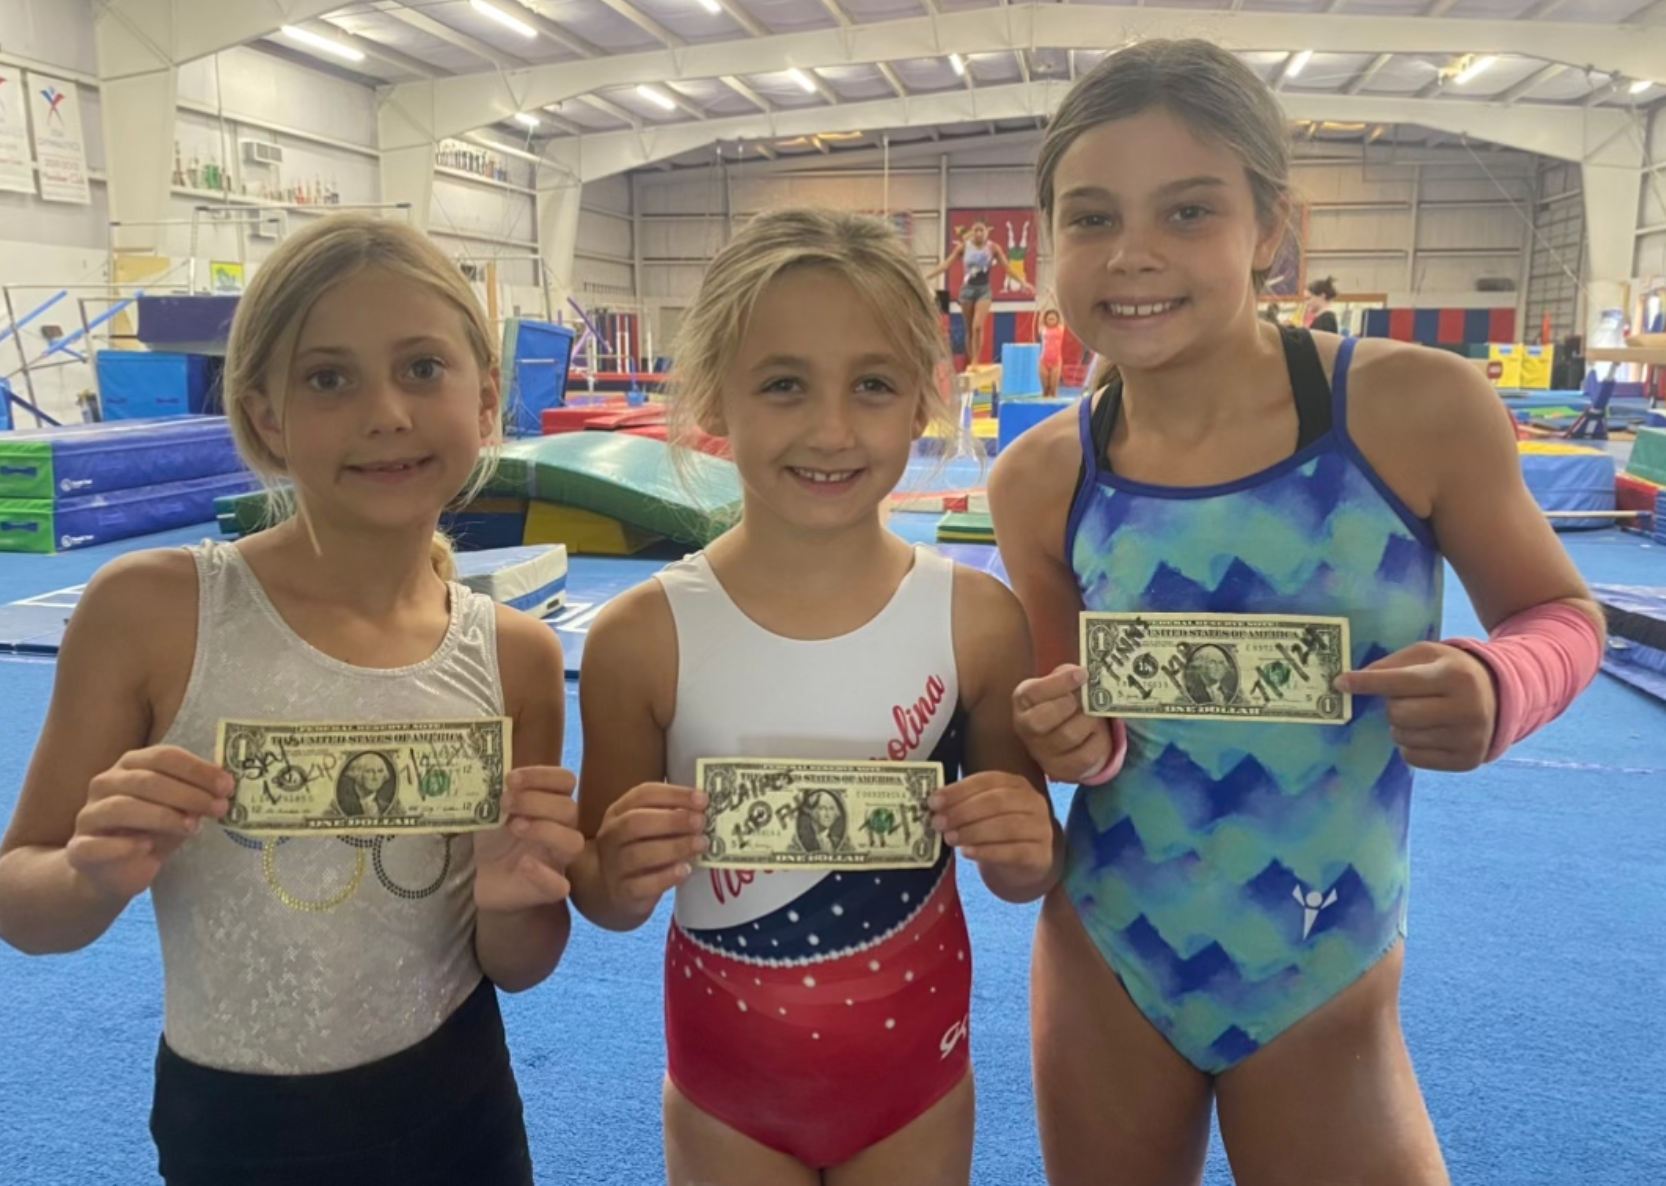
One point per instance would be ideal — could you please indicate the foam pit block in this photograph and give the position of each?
(82, 459)
(47, 525)
(584, 532)
(531, 579)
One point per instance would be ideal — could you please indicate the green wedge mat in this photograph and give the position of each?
(1648, 456)
(628, 478)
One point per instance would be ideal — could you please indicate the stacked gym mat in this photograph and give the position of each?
(1567, 478)
(533, 580)
(1636, 635)
(88, 484)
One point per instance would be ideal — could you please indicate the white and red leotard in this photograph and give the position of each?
(816, 1012)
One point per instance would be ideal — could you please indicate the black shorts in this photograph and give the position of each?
(444, 1112)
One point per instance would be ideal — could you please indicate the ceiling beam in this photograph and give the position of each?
(892, 78)
(608, 107)
(373, 49)
(550, 29)
(746, 92)
(1593, 136)
(147, 35)
(684, 102)
(1358, 81)
(434, 28)
(443, 106)
(838, 13)
(826, 92)
(646, 23)
(1521, 89)
(744, 19)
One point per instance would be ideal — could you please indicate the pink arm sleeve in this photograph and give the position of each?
(1540, 659)
(1119, 751)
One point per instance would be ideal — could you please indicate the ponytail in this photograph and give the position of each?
(442, 558)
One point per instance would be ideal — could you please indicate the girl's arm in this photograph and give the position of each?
(1030, 489)
(945, 265)
(99, 813)
(999, 815)
(642, 834)
(522, 922)
(1433, 428)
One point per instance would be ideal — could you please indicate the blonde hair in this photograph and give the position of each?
(865, 251)
(267, 327)
(1207, 88)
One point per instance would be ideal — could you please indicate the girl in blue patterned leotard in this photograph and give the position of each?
(1235, 892)
(1241, 874)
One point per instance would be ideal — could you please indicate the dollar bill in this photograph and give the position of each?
(792, 814)
(417, 776)
(1262, 667)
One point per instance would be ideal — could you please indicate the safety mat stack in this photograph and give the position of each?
(86, 484)
(1636, 635)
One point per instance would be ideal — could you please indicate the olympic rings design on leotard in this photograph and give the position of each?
(375, 845)
(269, 864)
(399, 891)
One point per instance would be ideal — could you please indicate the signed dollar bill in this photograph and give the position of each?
(1261, 667)
(418, 776)
(792, 814)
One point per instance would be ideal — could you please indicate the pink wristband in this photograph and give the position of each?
(1119, 751)
(1540, 659)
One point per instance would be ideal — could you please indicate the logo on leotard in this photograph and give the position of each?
(1312, 901)
(954, 1035)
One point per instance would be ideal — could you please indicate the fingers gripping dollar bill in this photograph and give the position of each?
(793, 814)
(1269, 667)
(420, 776)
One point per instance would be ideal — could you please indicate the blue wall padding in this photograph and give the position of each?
(141, 385)
(1477, 324)
(1425, 326)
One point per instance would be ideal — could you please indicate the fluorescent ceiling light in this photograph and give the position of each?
(1474, 69)
(958, 62)
(802, 79)
(1298, 63)
(711, 5)
(649, 93)
(323, 44)
(525, 120)
(1641, 85)
(503, 18)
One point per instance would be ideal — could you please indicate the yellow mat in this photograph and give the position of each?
(583, 531)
